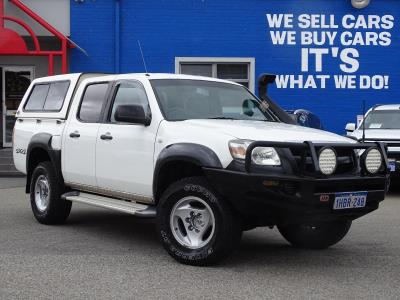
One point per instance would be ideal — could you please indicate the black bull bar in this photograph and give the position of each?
(313, 147)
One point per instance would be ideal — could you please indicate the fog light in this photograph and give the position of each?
(373, 160)
(327, 161)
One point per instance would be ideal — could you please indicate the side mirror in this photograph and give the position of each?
(132, 114)
(350, 127)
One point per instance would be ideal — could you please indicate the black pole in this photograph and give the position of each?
(363, 121)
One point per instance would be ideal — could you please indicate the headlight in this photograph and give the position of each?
(238, 148)
(265, 156)
(373, 160)
(327, 161)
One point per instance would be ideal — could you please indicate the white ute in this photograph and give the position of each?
(205, 157)
(381, 124)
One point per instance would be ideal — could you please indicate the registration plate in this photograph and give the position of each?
(392, 166)
(350, 200)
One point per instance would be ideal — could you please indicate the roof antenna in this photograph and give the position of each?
(141, 52)
(363, 122)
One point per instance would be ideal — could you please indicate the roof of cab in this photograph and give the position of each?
(133, 75)
(150, 76)
(142, 76)
(387, 107)
(181, 76)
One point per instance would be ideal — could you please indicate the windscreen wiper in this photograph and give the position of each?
(230, 118)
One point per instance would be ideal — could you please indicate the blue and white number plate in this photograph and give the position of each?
(350, 200)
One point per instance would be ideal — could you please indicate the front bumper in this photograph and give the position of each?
(281, 199)
(285, 198)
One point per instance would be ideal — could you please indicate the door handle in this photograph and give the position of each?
(106, 137)
(74, 134)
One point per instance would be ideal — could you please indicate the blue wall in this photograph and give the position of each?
(239, 28)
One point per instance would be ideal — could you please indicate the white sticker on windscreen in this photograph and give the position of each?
(375, 125)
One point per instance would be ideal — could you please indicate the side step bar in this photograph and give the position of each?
(133, 208)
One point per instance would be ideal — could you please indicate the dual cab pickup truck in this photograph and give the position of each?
(205, 157)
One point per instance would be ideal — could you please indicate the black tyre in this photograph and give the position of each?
(316, 236)
(195, 225)
(46, 190)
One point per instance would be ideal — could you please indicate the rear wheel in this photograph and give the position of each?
(196, 226)
(46, 190)
(315, 236)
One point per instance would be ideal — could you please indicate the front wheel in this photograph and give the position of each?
(196, 226)
(315, 236)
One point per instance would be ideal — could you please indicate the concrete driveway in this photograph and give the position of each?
(103, 254)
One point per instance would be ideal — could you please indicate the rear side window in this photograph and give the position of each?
(47, 97)
(56, 95)
(37, 97)
(92, 102)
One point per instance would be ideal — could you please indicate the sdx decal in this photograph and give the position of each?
(20, 151)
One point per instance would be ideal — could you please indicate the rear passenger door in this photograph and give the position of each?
(124, 154)
(79, 149)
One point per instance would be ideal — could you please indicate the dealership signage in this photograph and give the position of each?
(331, 49)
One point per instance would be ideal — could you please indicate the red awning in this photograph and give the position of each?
(11, 43)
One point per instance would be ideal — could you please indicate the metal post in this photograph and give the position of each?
(1, 14)
(51, 65)
(64, 68)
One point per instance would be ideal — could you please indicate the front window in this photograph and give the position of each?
(130, 93)
(182, 99)
(383, 119)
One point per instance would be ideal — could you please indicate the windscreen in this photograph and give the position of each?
(383, 119)
(182, 99)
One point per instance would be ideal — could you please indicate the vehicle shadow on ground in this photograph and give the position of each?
(114, 225)
(268, 251)
(259, 247)
(394, 188)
